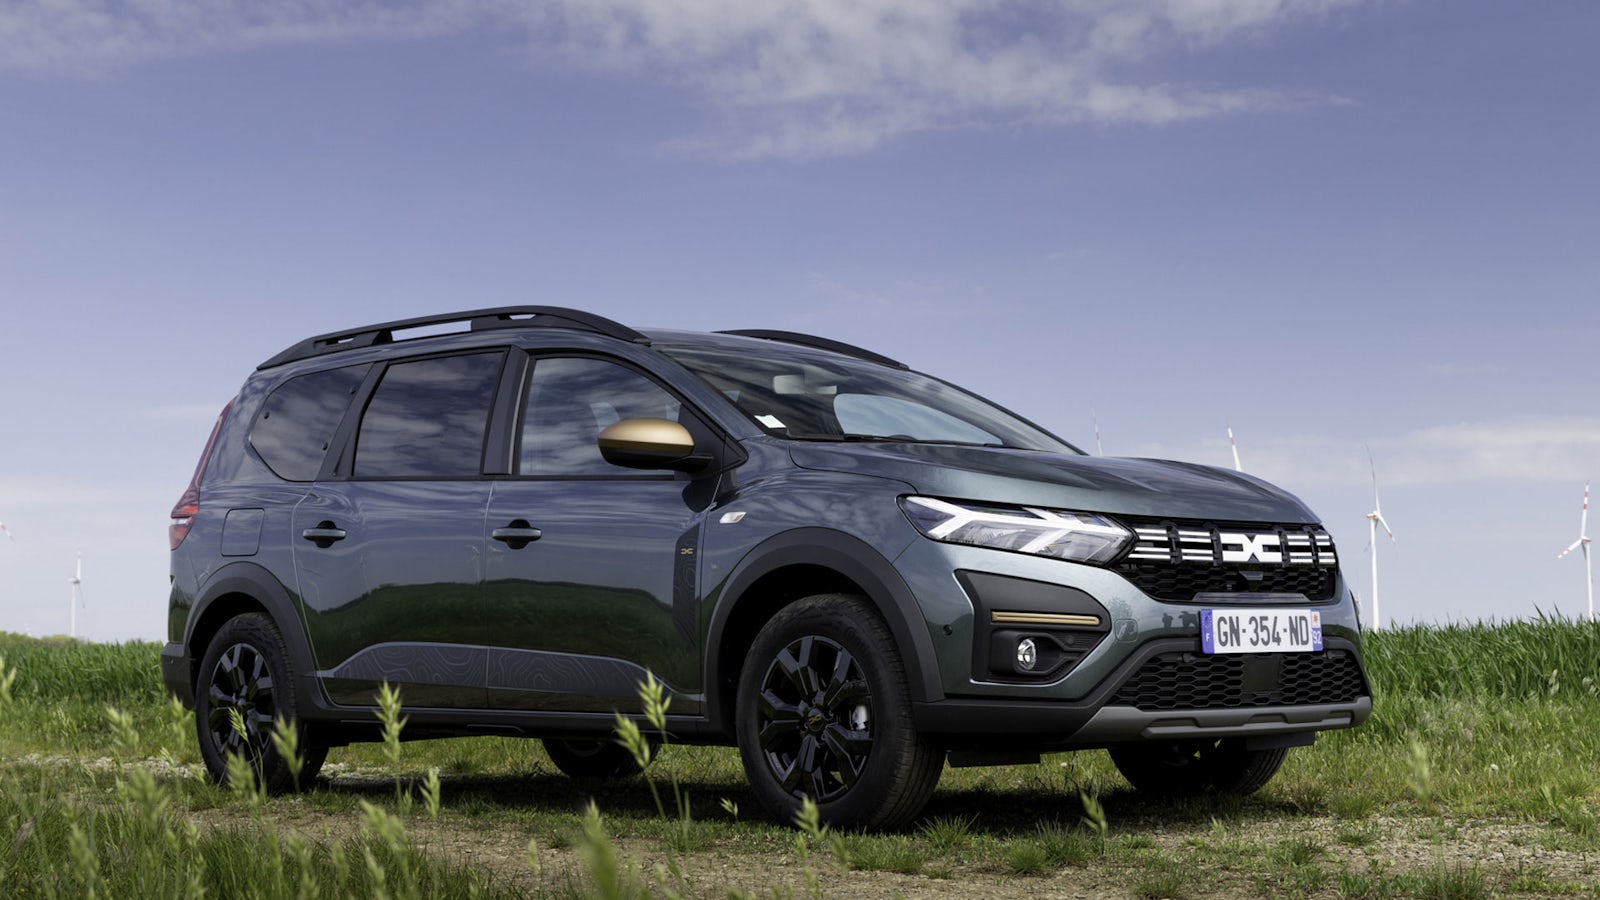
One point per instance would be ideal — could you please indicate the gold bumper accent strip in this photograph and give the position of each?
(999, 617)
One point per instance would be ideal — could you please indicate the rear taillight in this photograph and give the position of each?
(182, 518)
(189, 504)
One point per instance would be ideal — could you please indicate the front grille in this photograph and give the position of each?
(1185, 680)
(1173, 561)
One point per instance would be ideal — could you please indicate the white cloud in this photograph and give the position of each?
(828, 77)
(1529, 449)
(96, 36)
(1532, 449)
(785, 78)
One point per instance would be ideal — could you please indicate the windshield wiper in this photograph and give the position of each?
(886, 439)
(848, 438)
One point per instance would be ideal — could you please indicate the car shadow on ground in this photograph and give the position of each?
(999, 812)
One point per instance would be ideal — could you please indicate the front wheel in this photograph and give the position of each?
(1188, 768)
(245, 670)
(824, 712)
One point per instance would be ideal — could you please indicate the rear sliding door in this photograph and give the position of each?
(390, 558)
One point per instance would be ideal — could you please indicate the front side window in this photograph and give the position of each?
(297, 421)
(428, 418)
(570, 400)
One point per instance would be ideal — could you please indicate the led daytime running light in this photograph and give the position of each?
(1079, 537)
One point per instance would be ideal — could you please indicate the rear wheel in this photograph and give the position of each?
(824, 712)
(606, 760)
(1187, 768)
(245, 670)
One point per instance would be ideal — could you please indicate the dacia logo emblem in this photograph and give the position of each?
(1250, 548)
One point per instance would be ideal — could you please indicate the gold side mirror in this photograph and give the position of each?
(650, 444)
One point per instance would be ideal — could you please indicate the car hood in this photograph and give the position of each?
(1135, 487)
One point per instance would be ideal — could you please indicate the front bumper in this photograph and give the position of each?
(1119, 724)
(1287, 699)
(959, 723)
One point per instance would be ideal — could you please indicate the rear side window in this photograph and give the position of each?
(428, 418)
(297, 421)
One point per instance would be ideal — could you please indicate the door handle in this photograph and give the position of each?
(517, 534)
(324, 534)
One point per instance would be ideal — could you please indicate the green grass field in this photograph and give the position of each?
(1484, 737)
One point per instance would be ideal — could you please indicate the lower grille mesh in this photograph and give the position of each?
(1180, 583)
(1197, 681)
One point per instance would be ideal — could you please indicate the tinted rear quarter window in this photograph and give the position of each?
(428, 418)
(297, 421)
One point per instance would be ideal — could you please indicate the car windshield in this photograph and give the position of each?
(814, 396)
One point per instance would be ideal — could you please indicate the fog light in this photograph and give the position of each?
(1027, 655)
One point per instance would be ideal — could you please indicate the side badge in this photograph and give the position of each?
(731, 518)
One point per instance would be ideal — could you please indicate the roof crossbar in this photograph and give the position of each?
(820, 343)
(476, 320)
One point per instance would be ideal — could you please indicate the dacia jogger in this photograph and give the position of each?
(852, 571)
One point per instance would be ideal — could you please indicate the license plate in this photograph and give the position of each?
(1260, 630)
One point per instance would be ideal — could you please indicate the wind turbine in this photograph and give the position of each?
(1583, 541)
(1099, 448)
(77, 596)
(1235, 445)
(1374, 519)
(7, 532)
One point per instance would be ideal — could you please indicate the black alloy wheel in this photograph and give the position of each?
(824, 713)
(815, 718)
(240, 682)
(245, 671)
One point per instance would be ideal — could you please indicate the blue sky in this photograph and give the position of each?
(1328, 223)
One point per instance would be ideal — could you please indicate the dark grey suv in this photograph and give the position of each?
(852, 571)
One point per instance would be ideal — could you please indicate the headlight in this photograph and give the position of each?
(1075, 536)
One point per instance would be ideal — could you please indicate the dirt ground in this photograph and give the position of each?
(1380, 856)
(1513, 859)
(1500, 852)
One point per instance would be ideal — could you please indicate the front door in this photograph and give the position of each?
(593, 568)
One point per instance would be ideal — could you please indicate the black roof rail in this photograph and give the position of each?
(477, 320)
(820, 343)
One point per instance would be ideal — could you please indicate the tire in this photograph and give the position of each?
(246, 667)
(598, 760)
(1189, 768)
(824, 712)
